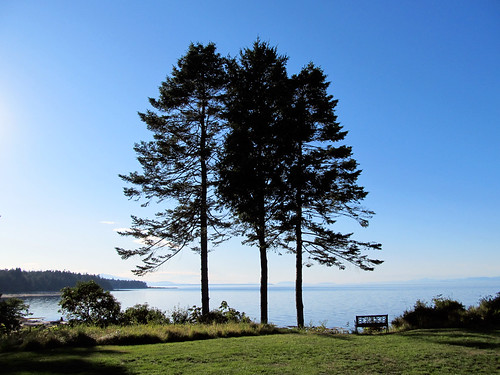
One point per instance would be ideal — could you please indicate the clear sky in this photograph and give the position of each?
(418, 84)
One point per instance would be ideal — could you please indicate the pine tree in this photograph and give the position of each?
(250, 168)
(178, 164)
(321, 183)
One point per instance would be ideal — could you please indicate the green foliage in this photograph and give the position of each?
(180, 315)
(88, 303)
(447, 313)
(224, 314)
(193, 315)
(442, 313)
(12, 310)
(487, 313)
(143, 314)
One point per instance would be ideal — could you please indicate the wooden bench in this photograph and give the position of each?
(372, 321)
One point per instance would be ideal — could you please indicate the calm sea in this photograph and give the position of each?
(333, 306)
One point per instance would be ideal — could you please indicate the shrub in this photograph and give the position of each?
(180, 315)
(420, 316)
(443, 313)
(193, 315)
(487, 314)
(224, 314)
(143, 314)
(12, 311)
(447, 313)
(88, 303)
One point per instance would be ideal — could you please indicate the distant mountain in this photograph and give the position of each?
(291, 284)
(161, 283)
(465, 280)
(284, 283)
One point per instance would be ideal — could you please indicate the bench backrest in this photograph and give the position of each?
(372, 320)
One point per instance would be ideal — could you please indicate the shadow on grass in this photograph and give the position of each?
(333, 336)
(489, 340)
(60, 361)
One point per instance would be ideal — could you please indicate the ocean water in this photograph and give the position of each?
(333, 306)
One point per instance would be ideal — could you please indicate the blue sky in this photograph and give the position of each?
(418, 84)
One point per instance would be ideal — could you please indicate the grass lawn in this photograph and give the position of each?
(416, 352)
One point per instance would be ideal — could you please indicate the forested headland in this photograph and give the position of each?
(19, 281)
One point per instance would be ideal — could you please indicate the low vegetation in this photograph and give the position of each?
(88, 303)
(94, 318)
(447, 313)
(86, 336)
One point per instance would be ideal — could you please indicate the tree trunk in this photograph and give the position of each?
(298, 241)
(263, 277)
(205, 300)
(263, 260)
(298, 266)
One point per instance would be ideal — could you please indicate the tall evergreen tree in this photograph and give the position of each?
(321, 182)
(178, 164)
(250, 169)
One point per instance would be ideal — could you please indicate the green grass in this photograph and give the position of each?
(416, 352)
(85, 336)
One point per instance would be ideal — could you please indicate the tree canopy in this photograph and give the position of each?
(250, 169)
(178, 164)
(88, 303)
(12, 311)
(320, 182)
(241, 135)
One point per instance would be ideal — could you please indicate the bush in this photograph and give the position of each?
(447, 313)
(12, 311)
(487, 314)
(180, 315)
(444, 313)
(143, 314)
(193, 315)
(224, 314)
(88, 303)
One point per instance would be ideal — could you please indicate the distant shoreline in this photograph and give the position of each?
(475, 281)
(31, 294)
(56, 294)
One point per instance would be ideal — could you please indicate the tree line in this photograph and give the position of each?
(19, 281)
(240, 147)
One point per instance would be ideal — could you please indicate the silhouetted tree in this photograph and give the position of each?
(250, 170)
(178, 164)
(321, 182)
